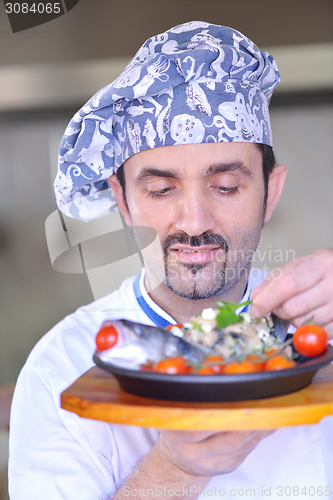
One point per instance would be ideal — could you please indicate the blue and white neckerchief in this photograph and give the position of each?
(155, 313)
(149, 307)
(246, 297)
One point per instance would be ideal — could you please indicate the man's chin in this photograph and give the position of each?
(194, 287)
(195, 292)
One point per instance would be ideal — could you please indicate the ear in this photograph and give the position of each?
(118, 194)
(275, 188)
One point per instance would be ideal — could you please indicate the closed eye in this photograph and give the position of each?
(226, 190)
(161, 193)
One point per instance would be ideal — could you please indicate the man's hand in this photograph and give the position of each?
(301, 290)
(186, 461)
(207, 453)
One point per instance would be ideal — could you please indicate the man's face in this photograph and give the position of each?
(206, 203)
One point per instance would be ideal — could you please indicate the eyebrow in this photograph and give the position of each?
(150, 172)
(229, 167)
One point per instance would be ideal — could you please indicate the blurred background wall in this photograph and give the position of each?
(48, 72)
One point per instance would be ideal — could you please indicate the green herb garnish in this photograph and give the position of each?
(227, 315)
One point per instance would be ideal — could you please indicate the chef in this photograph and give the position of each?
(180, 143)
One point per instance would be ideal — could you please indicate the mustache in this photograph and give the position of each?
(195, 241)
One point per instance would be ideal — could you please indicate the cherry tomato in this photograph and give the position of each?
(244, 366)
(217, 368)
(270, 352)
(206, 370)
(106, 338)
(254, 358)
(310, 340)
(279, 362)
(169, 327)
(147, 367)
(172, 366)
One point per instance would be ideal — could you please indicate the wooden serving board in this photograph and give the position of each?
(97, 395)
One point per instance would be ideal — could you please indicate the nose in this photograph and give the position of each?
(194, 213)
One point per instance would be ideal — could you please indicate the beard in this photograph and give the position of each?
(196, 281)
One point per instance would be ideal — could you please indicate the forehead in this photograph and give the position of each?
(195, 157)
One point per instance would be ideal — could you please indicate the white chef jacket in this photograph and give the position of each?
(56, 455)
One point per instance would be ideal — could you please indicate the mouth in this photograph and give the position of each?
(194, 255)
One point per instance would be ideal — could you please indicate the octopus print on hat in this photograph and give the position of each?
(195, 83)
(187, 129)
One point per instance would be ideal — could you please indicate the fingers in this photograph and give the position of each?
(302, 289)
(228, 442)
(192, 451)
(187, 437)
(279, 287)
(321, 315)
(210, 440)
(329, 329)
(213, 438)
(314, 303)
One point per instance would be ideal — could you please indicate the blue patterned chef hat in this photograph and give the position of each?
(197, 82)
